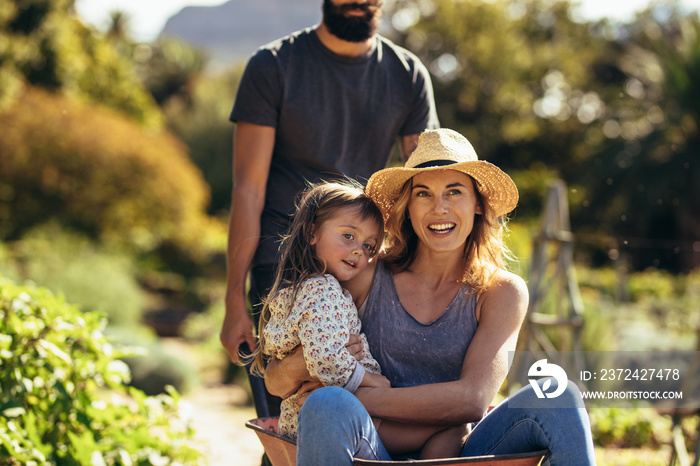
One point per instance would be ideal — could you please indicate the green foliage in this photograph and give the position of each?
(204, 327)
(98, 173)
(612, 109)
(532, 186)
(155, 369)
(629, 427)
(652, 283)
(169, 67)
(640, 188)
(87, 274)
(640, 303)
(63, 398)
(201, 121)
(598, 282)
(42, 44)
(514, 77)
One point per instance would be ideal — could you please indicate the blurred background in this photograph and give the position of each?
(115, 163)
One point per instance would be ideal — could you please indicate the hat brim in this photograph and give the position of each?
(496, 188)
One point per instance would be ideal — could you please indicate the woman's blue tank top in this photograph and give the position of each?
(410, 353)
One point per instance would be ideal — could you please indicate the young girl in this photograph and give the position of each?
(336, 230)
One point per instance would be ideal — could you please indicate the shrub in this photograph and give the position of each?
(90, 276)
(202, 122)
(98, 173)
(629, 427)
(155, 369)
(64, 399)
(651, 283)
(43, 43)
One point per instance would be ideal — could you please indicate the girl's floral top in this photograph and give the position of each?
(321, 319)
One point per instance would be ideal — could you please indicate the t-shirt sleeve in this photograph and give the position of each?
(324, 331)
(423, 113)
(259, 93)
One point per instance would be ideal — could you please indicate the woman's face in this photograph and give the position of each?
(441, 207)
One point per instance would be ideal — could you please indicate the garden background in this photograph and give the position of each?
(115, 179)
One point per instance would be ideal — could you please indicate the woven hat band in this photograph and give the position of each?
(435, 163)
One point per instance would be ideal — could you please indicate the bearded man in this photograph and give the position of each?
(327, 102)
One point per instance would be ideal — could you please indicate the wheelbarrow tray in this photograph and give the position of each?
(282, 452)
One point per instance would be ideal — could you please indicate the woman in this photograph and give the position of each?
(440, 314)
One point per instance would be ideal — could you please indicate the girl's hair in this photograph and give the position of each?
(483, 253)
(299, 261)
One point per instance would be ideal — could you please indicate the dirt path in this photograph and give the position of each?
(220, 424)
(217, 412)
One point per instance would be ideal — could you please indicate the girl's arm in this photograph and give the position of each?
(325, 315)
(500, 312)
(284, 377)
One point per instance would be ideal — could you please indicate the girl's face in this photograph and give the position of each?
(345, 242)
(442, 206)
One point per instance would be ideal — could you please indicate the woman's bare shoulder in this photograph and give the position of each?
(505, 280)
(507, 291)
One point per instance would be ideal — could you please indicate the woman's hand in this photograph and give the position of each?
(375, 380)
(355, 347)
(285, 377)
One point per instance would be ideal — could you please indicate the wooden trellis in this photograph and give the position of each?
(555, 302)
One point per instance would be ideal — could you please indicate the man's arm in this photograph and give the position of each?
(408, 144)
(252, 155)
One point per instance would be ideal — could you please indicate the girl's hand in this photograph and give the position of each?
(354, 346)
(375, 380)
(306, 389)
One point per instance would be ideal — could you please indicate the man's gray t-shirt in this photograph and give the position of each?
(334, 116)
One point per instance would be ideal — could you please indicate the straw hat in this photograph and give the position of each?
(443, 149)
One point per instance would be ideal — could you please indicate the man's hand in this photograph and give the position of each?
(236, 330)
(355, 347)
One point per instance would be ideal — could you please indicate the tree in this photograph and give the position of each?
(44, 45)
(202, 122)
(610, 108)
(645, 175)
(517, 78)
(100, 174)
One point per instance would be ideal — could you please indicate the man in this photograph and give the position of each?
(322, 103)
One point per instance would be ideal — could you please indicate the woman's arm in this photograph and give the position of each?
(283, 377)
(319, 340)
(287, 376)
(500, 311)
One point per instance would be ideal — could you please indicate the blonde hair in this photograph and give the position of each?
(484, 251)
(299, 262)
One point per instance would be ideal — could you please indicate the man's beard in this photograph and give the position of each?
(352, 28)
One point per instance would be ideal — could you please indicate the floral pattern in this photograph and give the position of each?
(321, 319)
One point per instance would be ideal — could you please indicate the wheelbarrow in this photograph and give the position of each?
(282, 452)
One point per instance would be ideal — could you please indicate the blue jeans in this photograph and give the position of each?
(334, 427)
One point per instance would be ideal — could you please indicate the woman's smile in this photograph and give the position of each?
(442, 207)
(442, 228)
